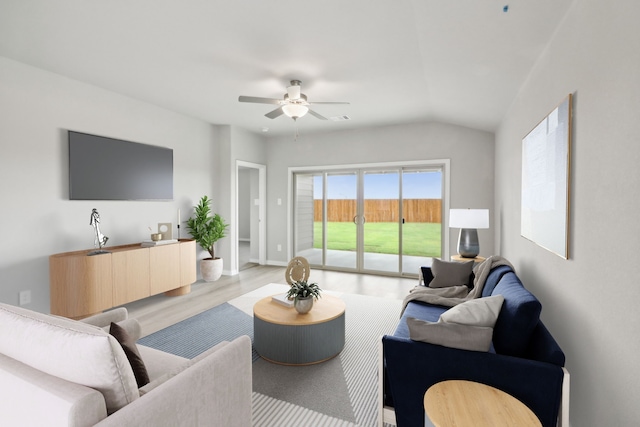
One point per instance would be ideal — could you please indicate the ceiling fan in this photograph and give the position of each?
(294, 103)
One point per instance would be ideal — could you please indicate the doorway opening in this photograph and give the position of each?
(250, 215)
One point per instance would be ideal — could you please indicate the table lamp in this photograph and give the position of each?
(468, 221)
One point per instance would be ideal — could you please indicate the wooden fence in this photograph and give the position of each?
(381, 210)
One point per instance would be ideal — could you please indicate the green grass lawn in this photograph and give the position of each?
(419, 239)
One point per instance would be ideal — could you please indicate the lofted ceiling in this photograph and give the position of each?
(395, 61)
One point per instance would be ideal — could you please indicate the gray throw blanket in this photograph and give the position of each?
(454, 295)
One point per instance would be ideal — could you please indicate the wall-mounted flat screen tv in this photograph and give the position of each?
(103, 168)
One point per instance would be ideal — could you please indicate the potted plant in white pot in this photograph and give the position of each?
(206, 229)
(303, 294)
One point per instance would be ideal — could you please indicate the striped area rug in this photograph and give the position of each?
(339, 392)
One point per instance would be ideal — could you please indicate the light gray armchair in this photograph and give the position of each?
(56, 371)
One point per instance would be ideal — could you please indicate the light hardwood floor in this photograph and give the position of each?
(159, 311)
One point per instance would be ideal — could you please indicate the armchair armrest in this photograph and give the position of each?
(119, 316)
(105, 319)
(31, 397)
(215, 390)
(412, 367)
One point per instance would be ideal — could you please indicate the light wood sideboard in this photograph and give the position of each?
(81, 285)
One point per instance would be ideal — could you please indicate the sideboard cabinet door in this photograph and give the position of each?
(188, 273)
(165, 268)
(130, 275)
(80, 284)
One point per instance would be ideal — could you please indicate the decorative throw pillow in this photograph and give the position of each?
(131, 351)
(476, 312)
(464, 337)
(447, 274)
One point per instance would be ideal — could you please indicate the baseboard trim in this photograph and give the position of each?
(277, 263)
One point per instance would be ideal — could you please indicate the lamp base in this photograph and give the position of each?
(468, 244)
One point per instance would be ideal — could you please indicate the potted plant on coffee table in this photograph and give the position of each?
(206, 229)
(303, 294)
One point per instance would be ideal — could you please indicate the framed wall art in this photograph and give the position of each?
(546, 160)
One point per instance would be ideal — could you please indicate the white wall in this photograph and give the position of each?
(590, 302)
(37, 218)
(471, 153)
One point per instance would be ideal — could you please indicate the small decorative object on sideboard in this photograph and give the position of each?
(155, 236)
(207, 229)
(166, 229)
(303, 294)
(100, 239)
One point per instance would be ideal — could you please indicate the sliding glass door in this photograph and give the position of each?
(422, 208)
(381, 221)
(340, 221)
(384, 220)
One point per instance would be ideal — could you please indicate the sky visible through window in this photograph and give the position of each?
(415, 185)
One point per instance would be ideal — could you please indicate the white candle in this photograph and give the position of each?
(178, 217)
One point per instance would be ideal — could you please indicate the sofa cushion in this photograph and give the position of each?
(518, 317)
(476, 312)
(464, 337)
(447, 274)
(131, 351)
(71, 350)
(159, 362)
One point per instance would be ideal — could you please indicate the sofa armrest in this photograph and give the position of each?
(412, 367)
(215, 391)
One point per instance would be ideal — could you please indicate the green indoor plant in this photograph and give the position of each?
(303, 294)
(207, 228)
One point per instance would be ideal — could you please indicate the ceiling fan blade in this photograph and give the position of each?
(343, 103)
(275, 113)
(313, 113)
(259, 100)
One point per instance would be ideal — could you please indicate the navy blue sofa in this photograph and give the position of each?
(524, 360)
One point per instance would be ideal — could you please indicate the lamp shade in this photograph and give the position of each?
(469, 218)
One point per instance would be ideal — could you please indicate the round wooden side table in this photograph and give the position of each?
(462, 403)
(283, 336)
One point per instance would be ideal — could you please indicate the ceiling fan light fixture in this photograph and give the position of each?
(295, 111)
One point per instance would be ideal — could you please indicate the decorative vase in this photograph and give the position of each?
(303, 305)
(211, 269)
